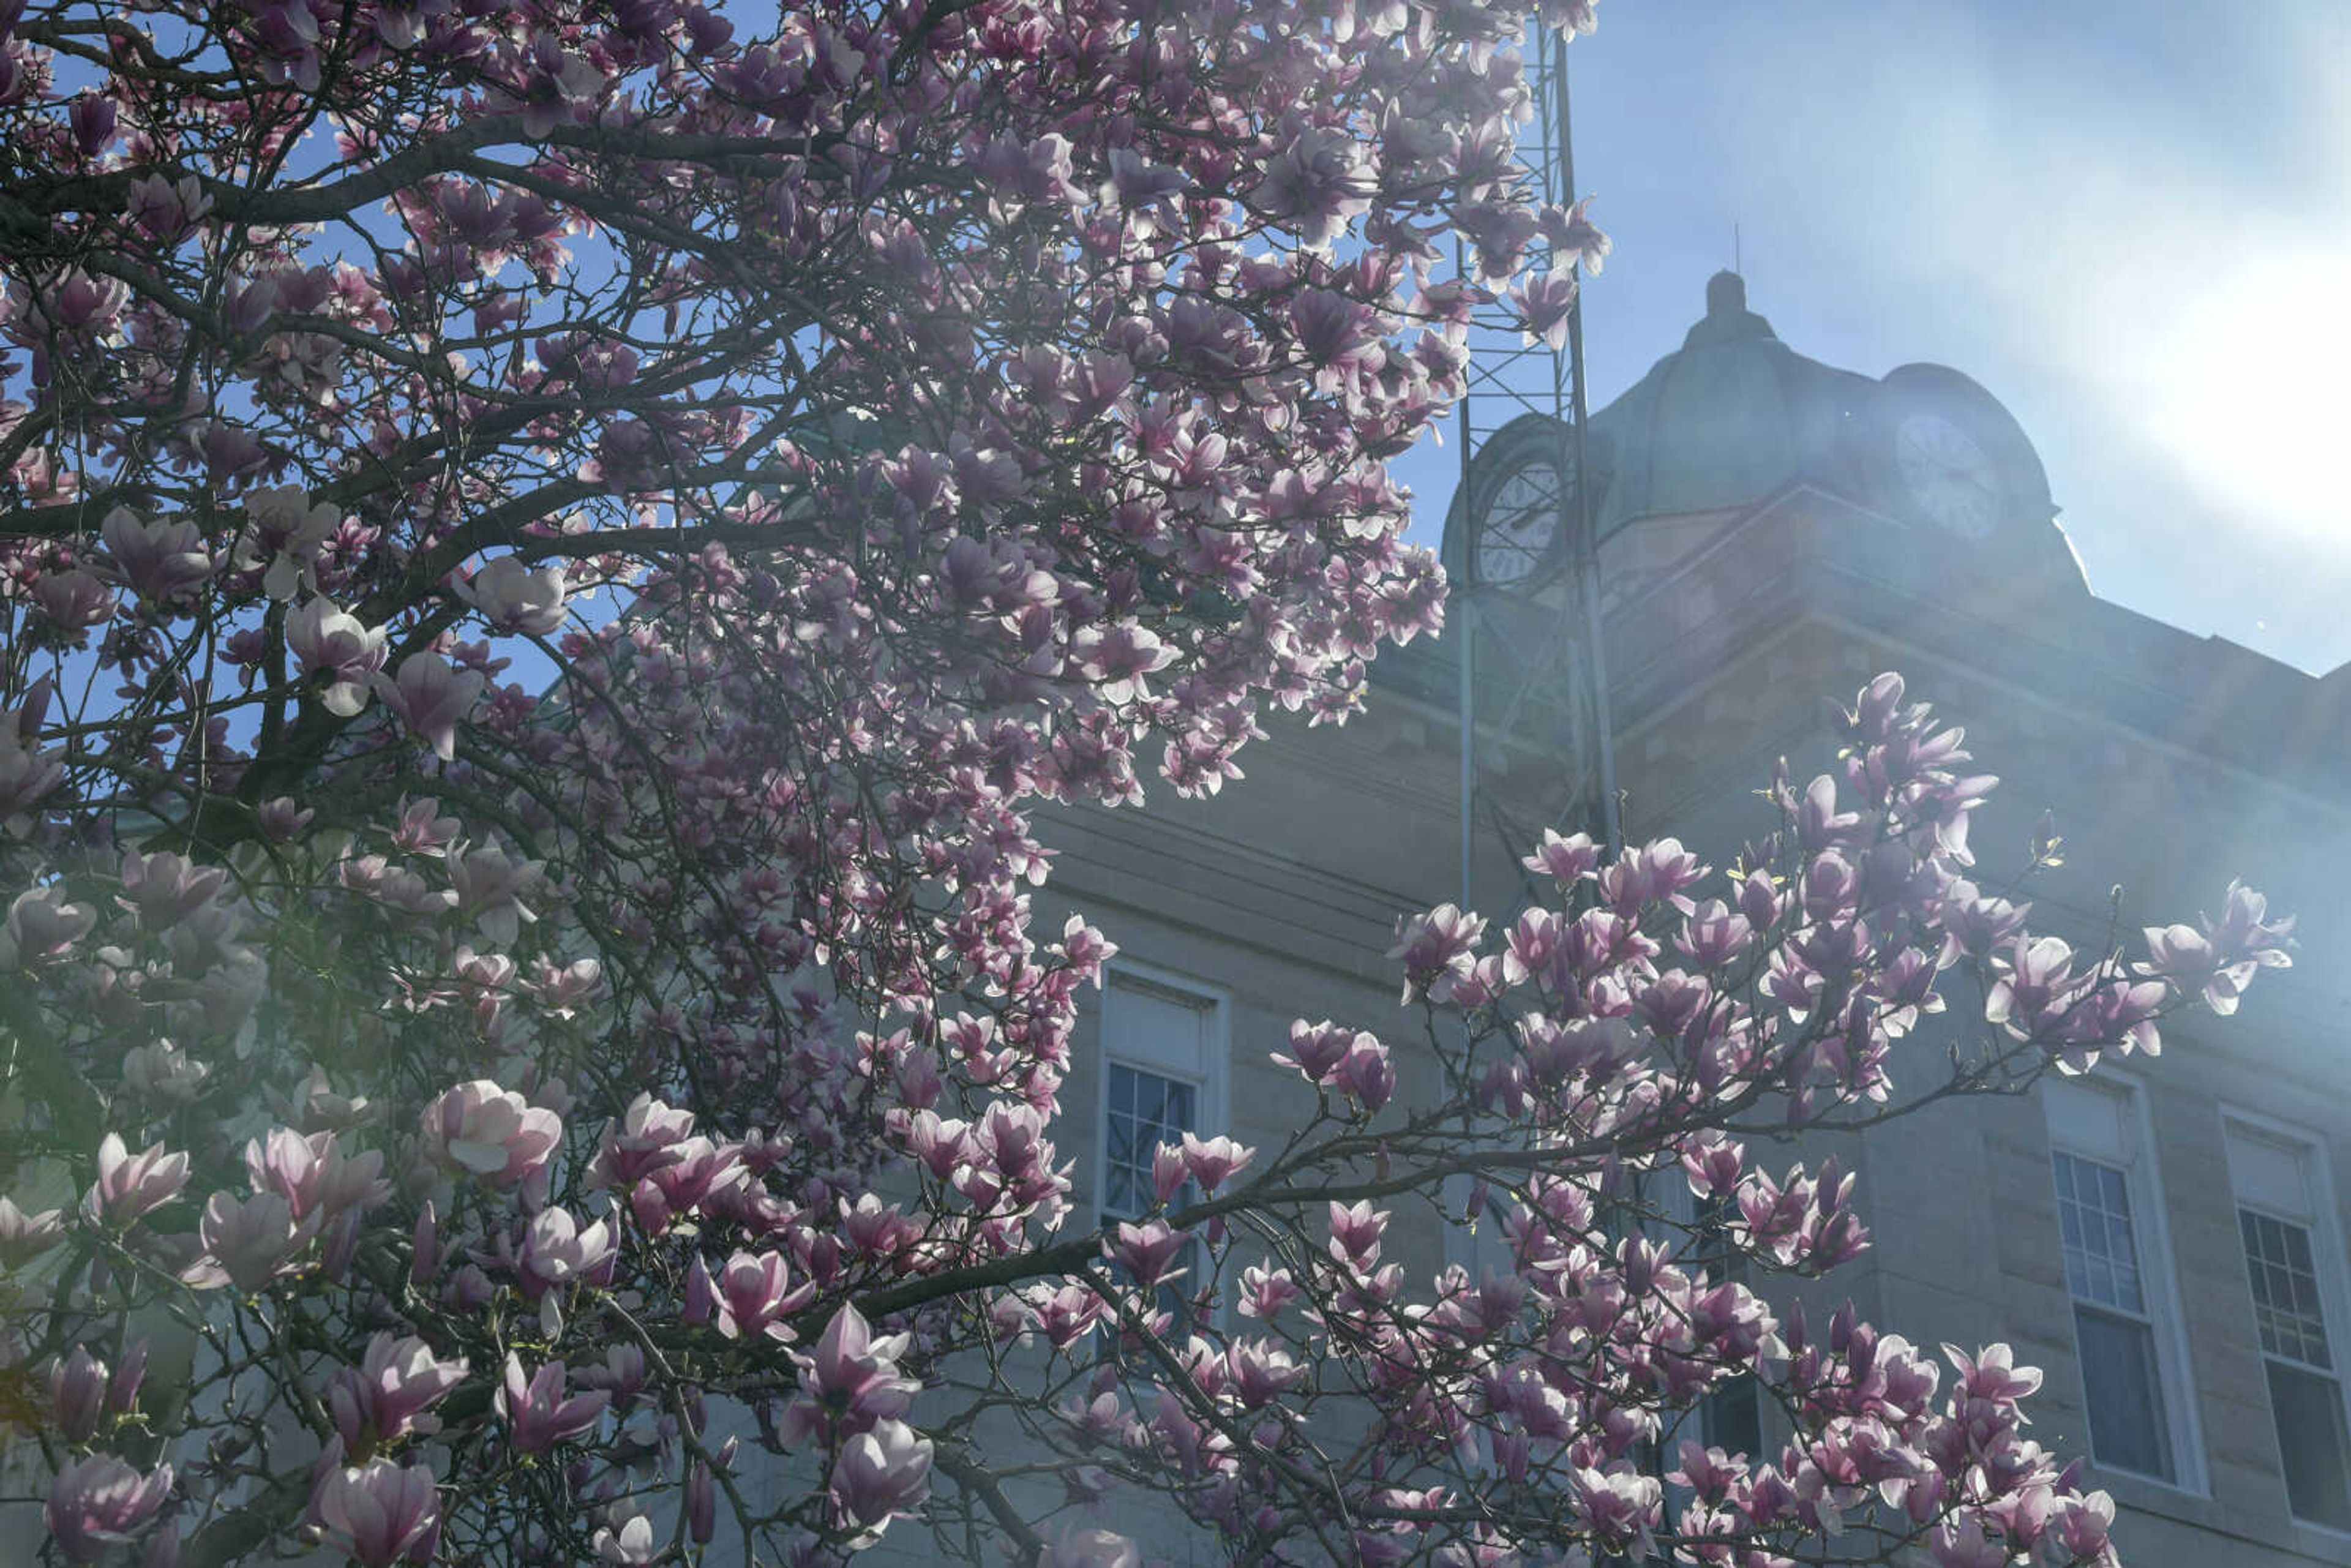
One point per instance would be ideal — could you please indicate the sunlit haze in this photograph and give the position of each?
(2131, 223)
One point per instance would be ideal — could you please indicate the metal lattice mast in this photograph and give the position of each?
(1510, 380)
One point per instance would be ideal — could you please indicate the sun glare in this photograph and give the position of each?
(2251, 394)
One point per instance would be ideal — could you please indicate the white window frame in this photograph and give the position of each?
(1205, 1071)
(2326, 1229)
(2132, 1151)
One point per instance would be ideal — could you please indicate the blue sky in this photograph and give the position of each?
(2130, 222)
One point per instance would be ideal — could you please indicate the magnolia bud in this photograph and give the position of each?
(77, 1395)
(122, 1393)
(701, 1504)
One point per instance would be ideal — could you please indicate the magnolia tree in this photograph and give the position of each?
(546, 553)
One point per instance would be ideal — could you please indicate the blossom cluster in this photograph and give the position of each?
(548, 554)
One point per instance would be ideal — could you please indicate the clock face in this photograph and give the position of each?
(1521, 524)
(1951, 478)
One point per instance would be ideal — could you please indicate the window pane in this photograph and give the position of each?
(2298, 1247)
(2093, 1220)
(1146, 1110)
(2285, 1288)
(1731, 1418)
(2309, 1411)
(2127, 1422)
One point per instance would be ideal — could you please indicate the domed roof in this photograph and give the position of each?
(1732, 419)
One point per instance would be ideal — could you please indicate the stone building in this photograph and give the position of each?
(2166, 1239)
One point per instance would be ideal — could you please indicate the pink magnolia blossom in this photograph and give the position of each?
(123, 1389)
(1213, 1161)
(516, 597)
(702, 1502)
(2082, 1525)
(431, 697)
(1316, 1050)
(75, 600)
(1572, 234)
(167, 209)
(387, 1397)
(1355, 1232)
(1620, 1506)
(493, 1134)
(250, 1242)
(1961, 1543)
(284, 532)
(42, 927)
(647, 1137)
(881, 1474)
(339, 653)
(166, 888)
(129, 1185)
(2219, 961)
(1260, 1373)
(1266, 1292)
(24, 1236)
(101, 1503)
(1366, 1074)
(76, 301)
(1116, 660)
(1435, 949)
(1316, 183)
(1991, 1373)
(754, 1292)
(558, 1250)
(379, 1513)
(489, 884)
(282, 819)
(537, 1412)
(1168, 1173)
(1147, 1250)
(315, 1107)
(313, 1173)
(1543, 305)
(851, 1383)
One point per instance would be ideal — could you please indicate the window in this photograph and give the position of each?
(1731, 1418)
(1163, 1076)
(2292, 1270)
(2126, 1321)
(1146, 1110)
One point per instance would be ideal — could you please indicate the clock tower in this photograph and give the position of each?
(1737, 482)
(1734, 422)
